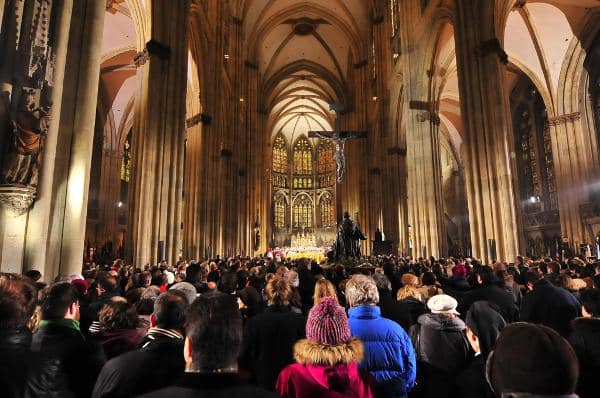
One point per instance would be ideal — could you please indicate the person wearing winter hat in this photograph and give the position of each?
(389, 354)
(441, 346)
(484, 324)
(327, 360)
(532, 360)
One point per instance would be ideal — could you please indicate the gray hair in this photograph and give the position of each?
(187, 289)
(382, 281)
(361, 290)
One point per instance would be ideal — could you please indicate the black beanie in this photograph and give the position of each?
(532, 359)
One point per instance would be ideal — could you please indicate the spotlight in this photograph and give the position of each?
(120, 204)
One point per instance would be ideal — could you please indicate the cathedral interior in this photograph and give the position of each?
(155, 130)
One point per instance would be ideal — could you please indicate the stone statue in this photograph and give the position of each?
(349, 235)
(29, 129)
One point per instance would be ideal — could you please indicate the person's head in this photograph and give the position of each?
(485, 276)
(532, 359)
(60, 301)
(170, 309)
(324, 288)
(531, 277)
(214, 334)
(187, 289)
(428, 279)
(590, 301)
(228, 282)
(382, 281)
(328, 340)
(34, 275)
(106, 284)
(484, 324)
(443, 304)
(292, 277)
(278, 291)
(361, 290)
(17, 301)
(118, 315)
(553, 267)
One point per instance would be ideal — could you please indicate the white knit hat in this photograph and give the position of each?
(442, 304)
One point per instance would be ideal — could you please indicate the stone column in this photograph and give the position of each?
(74, 150)
(159, 136)
(424, 186)
(486, 118)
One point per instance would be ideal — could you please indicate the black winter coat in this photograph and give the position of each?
(197, 385)
(551, 306)
(442, 352)
(268, 343)
(502, 297)
(397, 312)
(67, 365)
(155, 365)
(585, 340)
(15, 358)
(471, 381)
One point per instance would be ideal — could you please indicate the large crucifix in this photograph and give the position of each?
(339, 139)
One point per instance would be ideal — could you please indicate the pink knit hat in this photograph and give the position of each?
(327, 323)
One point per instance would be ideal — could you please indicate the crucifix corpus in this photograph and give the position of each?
(339, 139)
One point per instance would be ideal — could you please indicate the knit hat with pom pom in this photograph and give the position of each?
(327, 323)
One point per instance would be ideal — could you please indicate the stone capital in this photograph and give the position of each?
(17, 200)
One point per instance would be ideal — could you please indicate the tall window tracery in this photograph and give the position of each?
(126, 160)
(304, 174)
(326, 210)
(279, 211)
(280, 155)
(303, 157)
(303, 212)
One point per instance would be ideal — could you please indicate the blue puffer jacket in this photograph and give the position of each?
(389, 354)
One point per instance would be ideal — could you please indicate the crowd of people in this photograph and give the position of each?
(259, 327)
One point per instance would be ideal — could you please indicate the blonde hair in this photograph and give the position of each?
(410, 283)
(407, 291)
(278, 291)
(324, 288)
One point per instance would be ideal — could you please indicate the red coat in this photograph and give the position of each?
(308, 379)
(325, 381)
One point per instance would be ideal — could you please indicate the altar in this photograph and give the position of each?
(302, 245)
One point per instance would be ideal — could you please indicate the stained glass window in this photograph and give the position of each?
(279, 212)
(326, 209)
(303, 157)
(303, 212)
(325, 157)
(280, 155)
(126, 160)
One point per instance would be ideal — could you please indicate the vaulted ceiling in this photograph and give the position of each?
(304, 51)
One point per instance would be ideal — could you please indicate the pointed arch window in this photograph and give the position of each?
(303, 212)
(303, 157)
(279, 211)
(325, 152)
(326, 210)
(126, 160)
(280, 155)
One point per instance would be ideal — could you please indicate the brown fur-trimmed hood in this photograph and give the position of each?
(308, 352)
